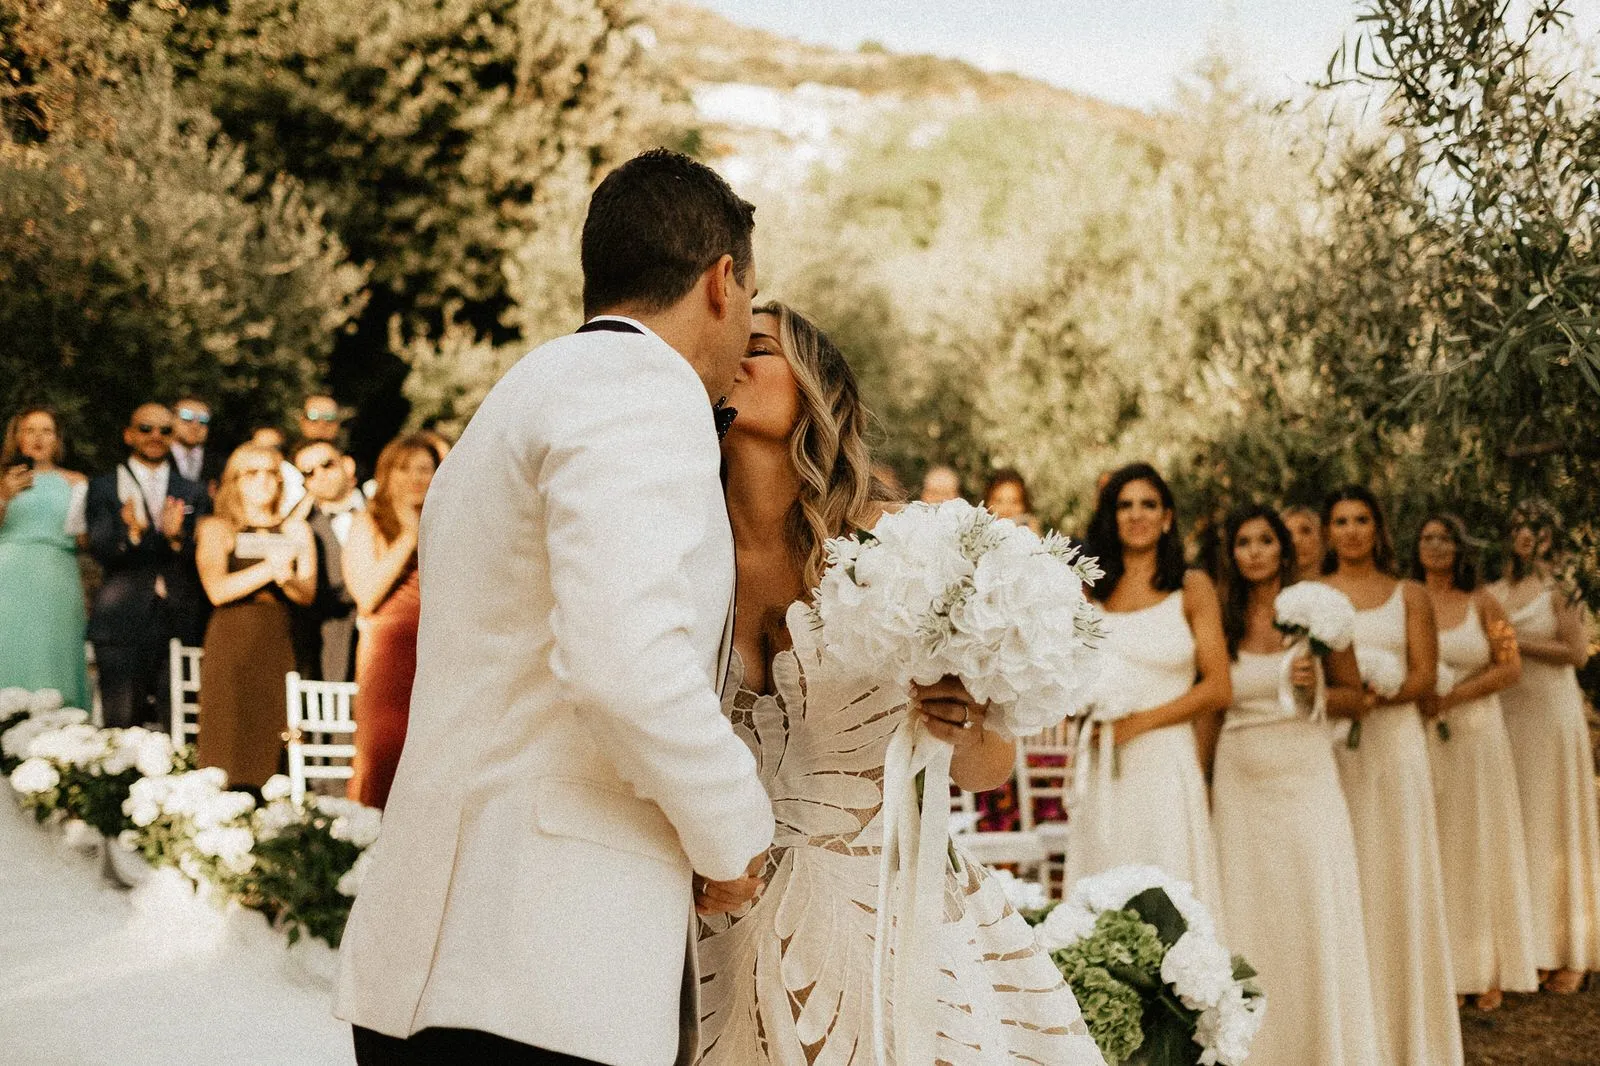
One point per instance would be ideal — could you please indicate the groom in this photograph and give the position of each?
(567, 770)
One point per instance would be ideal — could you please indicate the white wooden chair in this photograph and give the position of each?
(183, 665)
(1044, 773)
(1020, 848)
(321, 733)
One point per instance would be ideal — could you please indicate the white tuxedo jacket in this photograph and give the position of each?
(567, 763)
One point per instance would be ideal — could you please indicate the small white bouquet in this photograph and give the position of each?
(1381, 671)
(1322, 619)
(933, 592)
(1154, 984)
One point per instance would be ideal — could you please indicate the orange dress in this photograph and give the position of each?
(386, 664)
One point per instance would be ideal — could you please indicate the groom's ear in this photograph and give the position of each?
(721, 288)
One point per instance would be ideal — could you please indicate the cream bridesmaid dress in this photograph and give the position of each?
(1389, 789)
(1488, 907)
(1291, 894)
(1151, 809)
(1555, 776)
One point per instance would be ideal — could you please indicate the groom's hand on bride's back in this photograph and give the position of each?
(722, 897)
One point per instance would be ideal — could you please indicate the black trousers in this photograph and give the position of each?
(453, 1047)
(134, 683)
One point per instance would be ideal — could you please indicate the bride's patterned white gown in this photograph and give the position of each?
(789, 980)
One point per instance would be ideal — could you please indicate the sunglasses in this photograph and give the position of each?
(146, 427)
(191, 416)
(318, 416)
(326, 464)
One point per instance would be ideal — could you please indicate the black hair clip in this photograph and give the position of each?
(723, 415)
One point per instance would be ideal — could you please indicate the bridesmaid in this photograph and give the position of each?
(1488, 907)
(1389, 788)
(41, 593)
(1291, 893)
(1555, 772)
(248, 647)
(1165, 655)
(1305, 526)
(380, 561)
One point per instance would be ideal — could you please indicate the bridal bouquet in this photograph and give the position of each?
(1384, 673)
(1316, 617)
(1154, 985)
(944, 591)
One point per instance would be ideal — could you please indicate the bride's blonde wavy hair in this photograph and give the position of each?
(838, 493)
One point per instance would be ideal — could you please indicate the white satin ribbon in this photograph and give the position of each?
(1097, 735)
(911, 877)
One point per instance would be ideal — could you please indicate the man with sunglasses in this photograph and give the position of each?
(325, 631)
(190, 454)
(141, 519)
(320, 419)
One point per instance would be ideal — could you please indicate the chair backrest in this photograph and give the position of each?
(321, 730)
(1044, 775)
(183, 666)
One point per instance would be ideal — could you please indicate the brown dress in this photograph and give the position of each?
(248, 650)
(386, 664)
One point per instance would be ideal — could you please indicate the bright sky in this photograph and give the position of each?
(1125, 51)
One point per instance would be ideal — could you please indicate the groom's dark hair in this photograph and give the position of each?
(655, 224)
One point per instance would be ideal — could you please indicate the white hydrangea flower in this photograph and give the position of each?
(275, 817)
(222, 808)
(1199, 970)
(13, 700)
(1382, 670)
(1226, 1031)
(359, 826)
(16, 740)
(277, 787)
(155, 755)
(350, 883)
(1064, 926)
(34, 776)
(224, 842)
(1318, 611)
(1022, 895)
(45, 700)
(78, 745)
(1111, 891)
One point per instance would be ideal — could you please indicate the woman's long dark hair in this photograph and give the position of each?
(1103, 543)
(1382, 545)
(1235, 589)
(1540, 519)
(1464, 572)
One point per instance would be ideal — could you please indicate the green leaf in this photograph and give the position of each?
(1154, 906)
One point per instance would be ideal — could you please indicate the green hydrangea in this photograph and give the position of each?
(1112, 1010)
(1121, 939)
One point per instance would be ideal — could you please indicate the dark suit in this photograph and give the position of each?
(131, 624)
(325, 632)
(211, 464)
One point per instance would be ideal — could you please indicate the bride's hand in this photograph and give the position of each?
(949, 712)
(721, 897)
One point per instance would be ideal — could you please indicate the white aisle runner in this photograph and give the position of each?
(86, 980)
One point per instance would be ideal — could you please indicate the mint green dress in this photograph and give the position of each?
(41, 594)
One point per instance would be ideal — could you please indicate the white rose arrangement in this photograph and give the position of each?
(1133, 938)
(947, 591)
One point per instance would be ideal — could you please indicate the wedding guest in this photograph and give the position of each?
(294, 485)
(269, 437)
(42, 526)
(1389, 788)
(191, 454)
(939, 484)
(1305, 526)
(1006, 496)
(798, 474)
(325, 631)
(1164, 668)
(380, 566)
(249, 647)
(141, 520)
(1488, 905)
(1291, 892)
(1550, 744)
(321, 419)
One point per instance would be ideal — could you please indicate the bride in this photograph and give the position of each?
(789, 979)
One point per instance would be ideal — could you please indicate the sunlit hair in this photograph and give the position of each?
(1105, 543)
(1234, 588)
(229, 505)
(1382, 545)
(827, 445)
(12, 447)
(1464, 571)
(393, 456)
(1008, 476)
